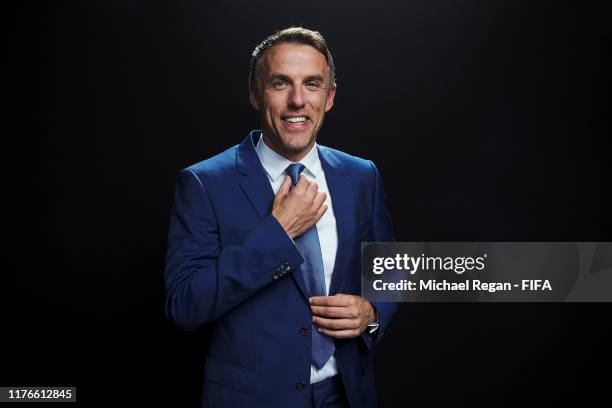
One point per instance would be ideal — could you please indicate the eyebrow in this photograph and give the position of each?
(314, 78)
(286, 78)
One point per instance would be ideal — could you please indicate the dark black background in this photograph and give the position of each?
(488, 121)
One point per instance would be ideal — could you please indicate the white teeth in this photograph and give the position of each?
(296, 120)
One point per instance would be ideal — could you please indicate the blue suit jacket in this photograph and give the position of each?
(232, 265)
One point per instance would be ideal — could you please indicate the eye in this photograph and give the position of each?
(279, 84)
(314, 85)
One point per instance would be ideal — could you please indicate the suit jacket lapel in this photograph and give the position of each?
(340, 190)
(257, 188)
(255, 183)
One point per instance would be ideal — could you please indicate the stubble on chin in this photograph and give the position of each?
(304, 144)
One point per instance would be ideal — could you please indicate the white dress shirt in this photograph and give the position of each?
(274, 164)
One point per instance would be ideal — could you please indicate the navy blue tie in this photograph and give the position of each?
(314, 277)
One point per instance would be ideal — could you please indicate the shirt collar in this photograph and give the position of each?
(274, 164)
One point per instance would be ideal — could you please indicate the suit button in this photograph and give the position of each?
(300, 385)
(275, 275)
(304, 331)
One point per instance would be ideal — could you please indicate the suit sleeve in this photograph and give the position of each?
(203, 280)
(383, 232)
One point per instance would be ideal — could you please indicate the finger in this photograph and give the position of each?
(302, 184)
(313, 188)
(340, 334)
(320, 212)
(336, 324)
(335, 312)
(284, 188)
(319, 301)
(318, 201)
(335, 300)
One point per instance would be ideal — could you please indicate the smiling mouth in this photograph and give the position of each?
(296, 123)
(295, 119)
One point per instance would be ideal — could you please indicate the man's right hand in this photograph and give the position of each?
(298, 209)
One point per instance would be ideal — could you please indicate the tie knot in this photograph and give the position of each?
(294, 170)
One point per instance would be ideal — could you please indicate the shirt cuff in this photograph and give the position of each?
(372, 327)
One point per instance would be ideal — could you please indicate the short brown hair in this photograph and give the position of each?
(296, 35)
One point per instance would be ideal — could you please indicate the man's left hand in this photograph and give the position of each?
(341, 316)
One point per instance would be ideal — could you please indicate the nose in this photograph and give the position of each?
(296, 98)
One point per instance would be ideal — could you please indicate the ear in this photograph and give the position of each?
(254, 94)
(253, 97)
(330, 98)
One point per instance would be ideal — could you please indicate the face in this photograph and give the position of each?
(292, 94)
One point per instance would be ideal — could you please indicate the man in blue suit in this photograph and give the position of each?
(264, 244)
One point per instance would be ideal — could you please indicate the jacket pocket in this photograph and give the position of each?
(231, 376)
